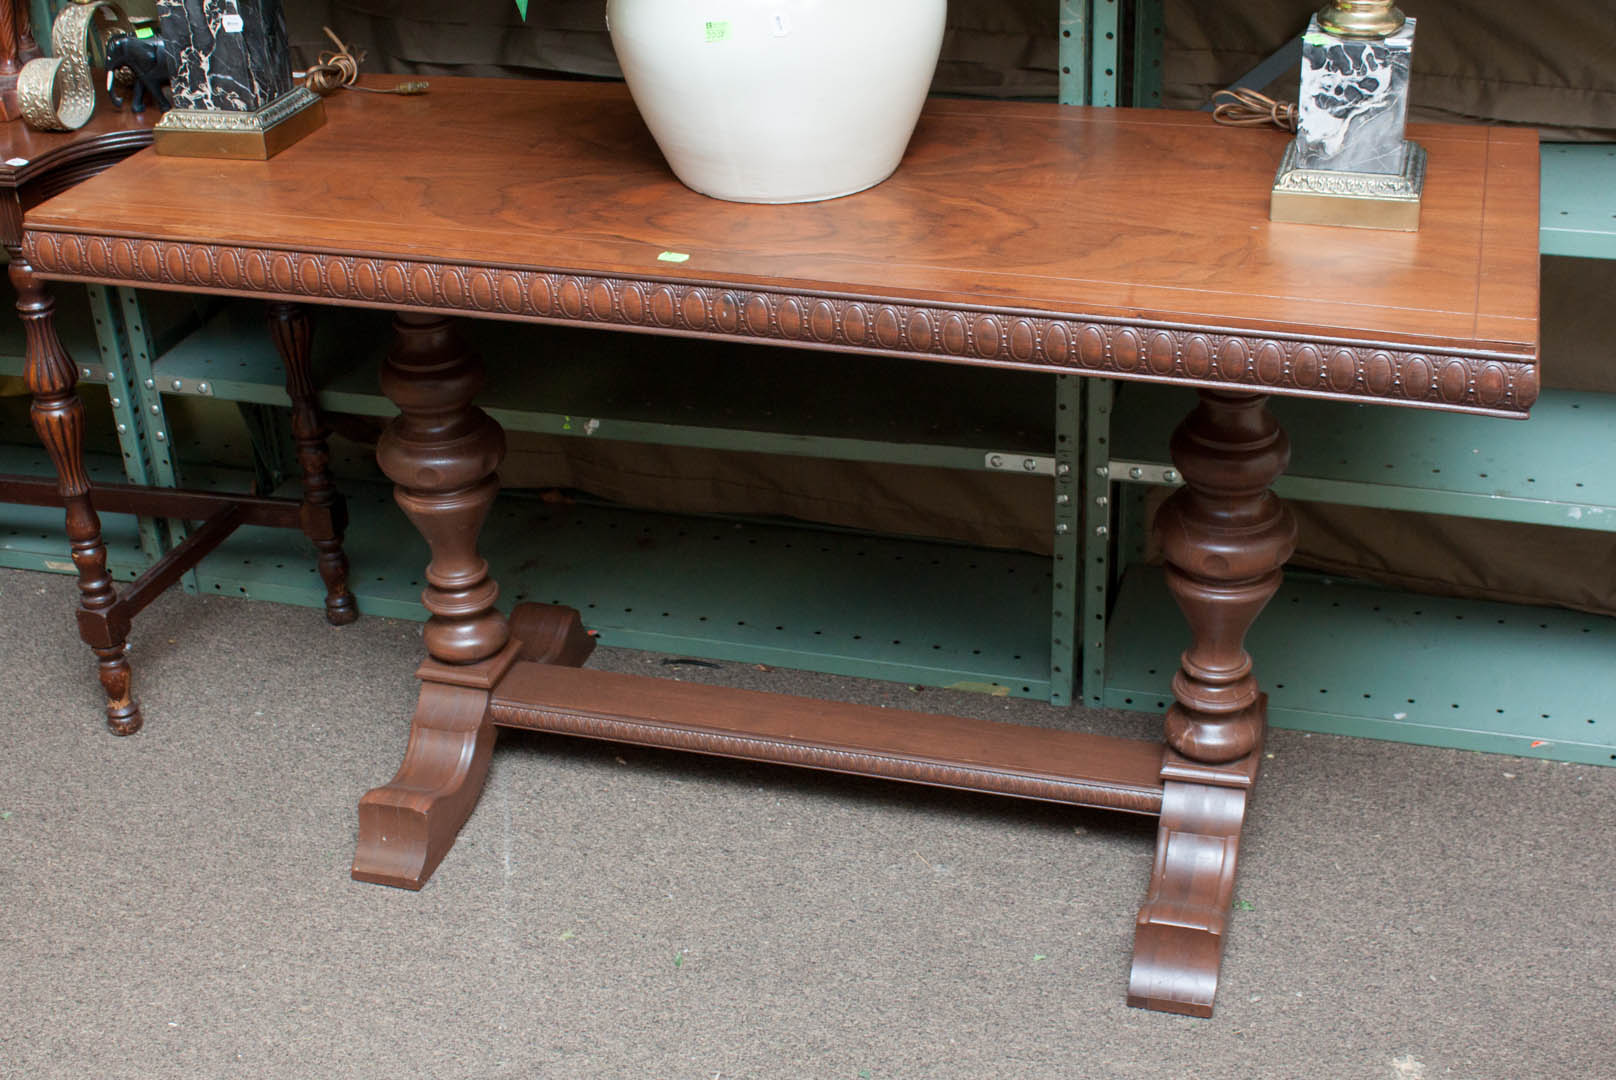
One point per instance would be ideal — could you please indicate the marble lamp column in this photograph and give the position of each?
(1350, 163)
(232, 84)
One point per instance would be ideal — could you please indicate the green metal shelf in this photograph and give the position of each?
(1353, 659)
(1552, 469)
(1578, 215)
(841, 602)
(585, 383)
(35, 537)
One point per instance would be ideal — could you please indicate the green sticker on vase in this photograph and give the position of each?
(717, 31)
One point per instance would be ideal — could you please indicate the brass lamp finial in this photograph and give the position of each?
(1361, 18)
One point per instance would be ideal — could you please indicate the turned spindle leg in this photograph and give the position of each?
(324, 514)
(442, 453)
(58, 417)
(1225, 537)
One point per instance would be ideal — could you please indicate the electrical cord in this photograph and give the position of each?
(1247, 108)
(335, 71)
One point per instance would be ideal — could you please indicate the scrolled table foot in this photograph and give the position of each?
(1178, 942)
(551, 634)
(408, 825)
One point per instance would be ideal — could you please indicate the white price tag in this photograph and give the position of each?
(232, 23)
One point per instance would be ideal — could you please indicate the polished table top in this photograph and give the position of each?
(1127, 243)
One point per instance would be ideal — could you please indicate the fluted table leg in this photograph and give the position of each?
(1225, 537)
(324, 515)
(58, 417)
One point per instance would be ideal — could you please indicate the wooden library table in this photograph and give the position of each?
(1113, 243)
(35, 165)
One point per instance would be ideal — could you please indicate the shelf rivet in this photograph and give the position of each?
(1029, 464)
(1062, 499)
(1170, 475)
(123, 429)
(1101, 530)
(1062, 528)
(150, 385)
(86, 372)
(1063, 470)
(156, 408)
(995, 460)
(1102, 471)
(161, 437)
(116, 402)
(202, 387)
(1101, 500)
(1135, 473)
(179, 384)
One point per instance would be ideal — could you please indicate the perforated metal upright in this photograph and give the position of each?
(1148, 30)
(1090, 53)
(1066, 565)
(117, 371)
(1094, 490)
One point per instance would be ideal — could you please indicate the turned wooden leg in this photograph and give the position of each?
(324, 515)
(442, 453)
(1225, 537)
(58, 417)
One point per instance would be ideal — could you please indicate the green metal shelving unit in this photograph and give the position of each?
(34, 538)
(1348, 658)
(1579, 200)
(774, 593)
(1549, 470)
(932, 613)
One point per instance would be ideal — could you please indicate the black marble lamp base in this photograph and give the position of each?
(256, 135)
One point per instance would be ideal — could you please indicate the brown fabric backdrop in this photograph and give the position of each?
(1550, 64)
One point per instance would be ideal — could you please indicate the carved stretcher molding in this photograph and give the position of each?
(1111, 243)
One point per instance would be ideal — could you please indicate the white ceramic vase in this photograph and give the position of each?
(779, 100)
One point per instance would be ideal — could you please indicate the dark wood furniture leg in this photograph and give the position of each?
(442, 454)
(1225, 537)
(58, 417)
(325, 513)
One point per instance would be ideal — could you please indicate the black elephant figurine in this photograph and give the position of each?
(152, 62)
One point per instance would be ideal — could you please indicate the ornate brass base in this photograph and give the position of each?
(1364, 200)
(222, 133)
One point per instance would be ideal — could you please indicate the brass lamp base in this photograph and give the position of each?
(1363, 200)
(256, 136)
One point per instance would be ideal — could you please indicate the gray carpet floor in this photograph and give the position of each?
(177, 904)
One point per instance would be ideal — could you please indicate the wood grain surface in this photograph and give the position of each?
(943, 751)
(25, 153)
(1143, 215)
